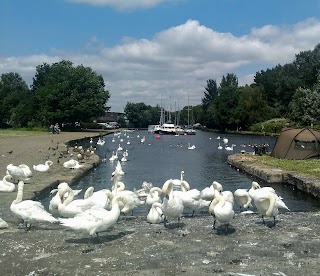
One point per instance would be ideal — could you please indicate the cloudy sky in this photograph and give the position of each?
(157, 51)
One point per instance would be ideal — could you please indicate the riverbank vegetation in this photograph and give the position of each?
(61, 93)
(310, 167)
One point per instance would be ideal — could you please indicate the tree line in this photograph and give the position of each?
(290, 91)
(62, 93)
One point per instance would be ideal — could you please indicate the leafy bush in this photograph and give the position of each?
(270, 126)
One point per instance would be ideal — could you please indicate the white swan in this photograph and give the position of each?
(225, 140)
(222, 210)
(28, 210)
(119, 169)
(131, 198)
(113, 157)
(55, 200)
(69, 207)
(191, 147)
(177, 183)
(256, 187)
(101, 142)
(191, 198)
(124, 159)
(100, 198)
(125, 153)
(21, 172)
(43, 167)
(120, 148)
(6, 185)
(266, 203)
(219, 147)
(227, 195)
(155, 214)
(143, 139)
(242, 198)
(3, 224)
(172, 206)
(72, 164)
(228, 148)
(94, 220)
(153, 196)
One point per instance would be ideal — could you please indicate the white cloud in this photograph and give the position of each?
(178, 61)
(124, 4)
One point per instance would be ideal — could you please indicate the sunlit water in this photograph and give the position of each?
(157, 160)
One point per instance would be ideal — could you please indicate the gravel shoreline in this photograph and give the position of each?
(134, 247)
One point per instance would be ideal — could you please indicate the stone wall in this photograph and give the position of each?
(246, 162)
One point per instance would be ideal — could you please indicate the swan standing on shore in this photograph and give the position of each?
(72, 164)
(242, 198)
(28, 210)
(69, 207)
(55, 200)
(153, 196)
(21, 172)
(155, 214)
(172, 206)
(266, 204)
(222, 210)
(43, 167)
(94, 220)
(255, 187)
(6, 185)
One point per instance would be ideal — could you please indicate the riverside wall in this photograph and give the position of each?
(245, 162)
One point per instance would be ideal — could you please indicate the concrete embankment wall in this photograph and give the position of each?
(246, 162)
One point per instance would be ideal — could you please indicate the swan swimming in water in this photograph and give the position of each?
(43, 167)
(6, 185)
(95, 220)
(28, 210)
(191, 147)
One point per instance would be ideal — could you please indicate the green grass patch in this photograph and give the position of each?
(309, 167)
(11, 133)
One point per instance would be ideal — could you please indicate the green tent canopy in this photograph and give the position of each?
(297, 143)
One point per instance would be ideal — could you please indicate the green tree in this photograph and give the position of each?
(210, 94)
(141, 115)
(230, 80)
(63, 93)
(305, 106)
(13, 93)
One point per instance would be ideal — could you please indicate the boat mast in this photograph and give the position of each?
(188, 112)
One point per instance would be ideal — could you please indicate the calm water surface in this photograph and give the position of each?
(157, 160)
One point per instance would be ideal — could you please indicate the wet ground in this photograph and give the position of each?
(135, 247)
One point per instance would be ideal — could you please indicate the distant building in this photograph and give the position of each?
(109, 117)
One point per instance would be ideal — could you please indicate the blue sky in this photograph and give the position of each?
(157, 51)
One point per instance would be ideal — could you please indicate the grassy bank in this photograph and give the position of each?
(11, 133)
(309, 167)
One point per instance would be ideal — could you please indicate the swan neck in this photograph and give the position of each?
(272, 202)
(19, 193)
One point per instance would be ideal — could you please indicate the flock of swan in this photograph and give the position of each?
(98, 210)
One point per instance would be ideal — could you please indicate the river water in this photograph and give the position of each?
(157, 160)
